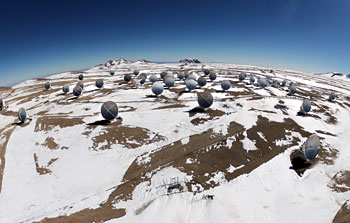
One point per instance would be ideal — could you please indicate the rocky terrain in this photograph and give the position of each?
(163, 160)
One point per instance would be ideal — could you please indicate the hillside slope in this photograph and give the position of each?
(162, 160)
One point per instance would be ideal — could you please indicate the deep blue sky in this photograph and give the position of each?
(43, 37)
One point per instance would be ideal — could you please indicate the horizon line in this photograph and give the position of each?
(13, 83)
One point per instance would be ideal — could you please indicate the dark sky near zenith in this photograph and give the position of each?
(43, 37)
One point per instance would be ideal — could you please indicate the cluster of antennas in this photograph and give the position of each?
(109, 110)
(204, 99)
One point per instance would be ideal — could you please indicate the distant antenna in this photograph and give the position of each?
(252, 80)
(269, 80)
(163, 74)
(225, 85)
(157, 88)
(99, 83)
(47, 85)
(169, 82)
(292, 89)
(241, 77)
(77, 90)
(186, 75)
(212, 76)
(137, 83)
(153, 78)
(181, 75)
(191, 84)
(202, 81)
(192, 77)
(143, 78)
(263, 82)
(127, 77)
(332, 96)
(276, 83)
(65, 88)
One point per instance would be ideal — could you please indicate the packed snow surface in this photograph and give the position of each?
(163, 161)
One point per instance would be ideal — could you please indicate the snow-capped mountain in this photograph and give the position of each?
(117, 62)
(189, 60)
(143, 61)
(164, 159)
(120, 63)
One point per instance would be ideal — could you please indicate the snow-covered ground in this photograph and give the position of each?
(159, 162)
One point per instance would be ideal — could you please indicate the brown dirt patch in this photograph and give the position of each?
(347, 104)
(327, 154)
(325, 133)
(167, 156)
(41, 79)
(50, 143)
(341, 181)
(101, 214)
(212, 115)
(5, 88)
(343, 214)
(325, 110)
(137, 174)
(213, 155)
(259, 110)
(274, 131)
(115, 133)
(43, 169)
(127, 108)
(47, 123)
(9, 113)
(171, 106)
(313, 94)
(332, 120)
(257, 97)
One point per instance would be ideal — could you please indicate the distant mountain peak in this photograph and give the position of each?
(119, 61)
(122, 60)
(189, 60)
(143, 61)
(110, 64)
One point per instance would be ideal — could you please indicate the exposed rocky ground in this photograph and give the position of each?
(162, 160)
